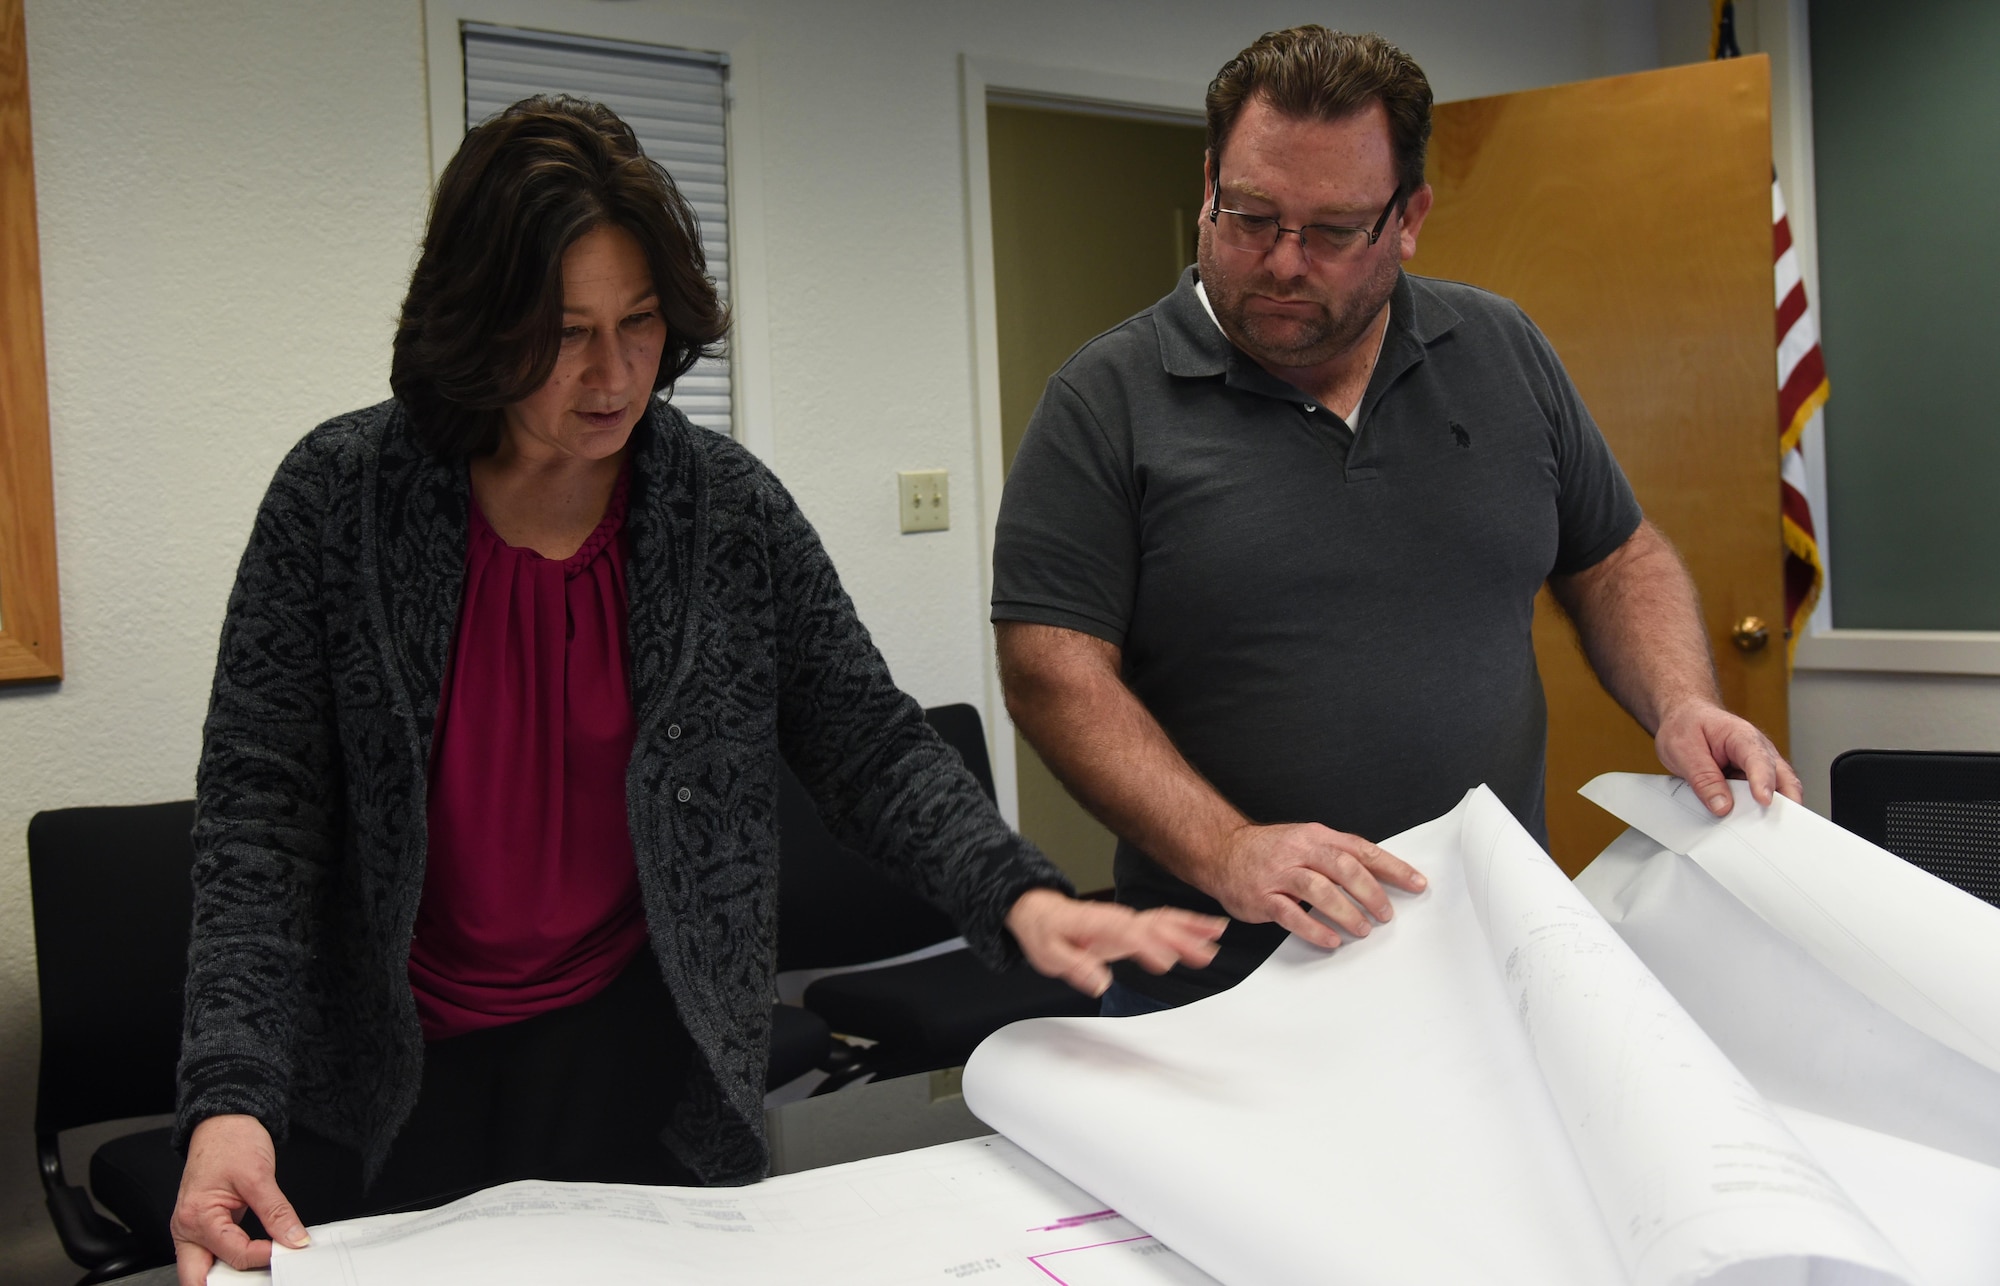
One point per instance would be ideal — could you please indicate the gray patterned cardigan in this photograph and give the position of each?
(310, 826)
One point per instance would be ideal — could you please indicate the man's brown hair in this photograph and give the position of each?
(1312, 73)
(482, 322)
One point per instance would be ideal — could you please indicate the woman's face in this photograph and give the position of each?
(611, 340)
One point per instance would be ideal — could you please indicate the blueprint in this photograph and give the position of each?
(1857, 996)
(1492, 1088)
(1749, 1052)
(974, 1211)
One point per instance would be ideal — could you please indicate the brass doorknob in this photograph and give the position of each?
(1750, 634)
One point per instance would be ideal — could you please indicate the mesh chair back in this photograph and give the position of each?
(1936, 810)
(834, 908)
(112, 905)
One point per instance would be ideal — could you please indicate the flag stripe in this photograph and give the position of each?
(1802, 390)
(1793, 504)
(1791, 309)
(1795, 347)
(1788, 278)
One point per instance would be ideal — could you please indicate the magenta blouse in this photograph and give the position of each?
(531, 894)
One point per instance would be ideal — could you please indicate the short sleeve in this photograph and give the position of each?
(1066, 551)
(1595, 509)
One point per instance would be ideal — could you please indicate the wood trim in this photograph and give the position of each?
(30, 618)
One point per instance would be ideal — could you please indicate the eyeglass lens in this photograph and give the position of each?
(1322, 241)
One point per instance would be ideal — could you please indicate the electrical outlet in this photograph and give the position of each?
(923, 499)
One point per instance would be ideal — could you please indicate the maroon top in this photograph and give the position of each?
(531, 894)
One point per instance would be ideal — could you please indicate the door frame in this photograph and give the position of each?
(1064, 89)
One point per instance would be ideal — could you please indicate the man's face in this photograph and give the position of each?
(1280, 306)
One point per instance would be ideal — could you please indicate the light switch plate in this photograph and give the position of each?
(923, 499)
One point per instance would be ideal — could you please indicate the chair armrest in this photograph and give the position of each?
(88, 1237)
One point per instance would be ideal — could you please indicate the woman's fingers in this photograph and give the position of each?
(210, 1232)
(1063, 959)
(231, 1167)
(276, 1213)
(1075, 941)
(191, 1264)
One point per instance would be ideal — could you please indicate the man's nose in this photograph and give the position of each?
(1288, 257)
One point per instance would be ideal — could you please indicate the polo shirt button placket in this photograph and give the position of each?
(684, 794)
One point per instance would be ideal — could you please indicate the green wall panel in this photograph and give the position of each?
(1906, 125)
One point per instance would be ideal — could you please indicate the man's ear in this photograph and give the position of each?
(1414, 211)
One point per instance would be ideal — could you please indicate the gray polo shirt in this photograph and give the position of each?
(1331, 628)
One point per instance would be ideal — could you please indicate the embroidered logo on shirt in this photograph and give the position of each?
(1459, 434)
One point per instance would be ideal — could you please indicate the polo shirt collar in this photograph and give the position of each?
(1191, 343)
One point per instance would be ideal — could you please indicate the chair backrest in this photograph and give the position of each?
(112, 904)
(834, 908)
(962, 730)
(1934, 809)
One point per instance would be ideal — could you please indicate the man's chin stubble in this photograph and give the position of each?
(1310, 349)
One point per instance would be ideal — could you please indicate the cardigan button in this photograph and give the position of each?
(684, 794)
(673, 732)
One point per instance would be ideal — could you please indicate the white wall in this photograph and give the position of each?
(1838, 710)
(230, 195)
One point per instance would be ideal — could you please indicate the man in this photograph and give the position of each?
(1267, 558)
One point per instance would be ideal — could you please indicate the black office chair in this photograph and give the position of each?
(801, 1042)
(836, 910)
(1934, 809)
(112, 905)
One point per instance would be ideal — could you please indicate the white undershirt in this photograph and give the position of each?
(1353, 416)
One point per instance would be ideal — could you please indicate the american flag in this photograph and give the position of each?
(1802, 391)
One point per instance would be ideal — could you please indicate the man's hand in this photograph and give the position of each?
(1702, 744)
(231, 1167)
(1264, 873)
(1076, 941)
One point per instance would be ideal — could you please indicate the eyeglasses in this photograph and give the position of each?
(1319, 242)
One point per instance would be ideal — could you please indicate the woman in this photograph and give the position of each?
(486, 846)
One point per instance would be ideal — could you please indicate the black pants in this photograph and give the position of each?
(576, 1094)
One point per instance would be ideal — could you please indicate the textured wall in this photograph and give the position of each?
(1840, 710)
(230, 195)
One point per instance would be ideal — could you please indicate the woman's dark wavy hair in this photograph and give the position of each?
(482, 322)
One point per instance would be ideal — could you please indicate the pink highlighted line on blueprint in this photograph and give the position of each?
(1075, 1220)
(1053, 1276)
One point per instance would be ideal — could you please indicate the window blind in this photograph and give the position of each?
(674, 101)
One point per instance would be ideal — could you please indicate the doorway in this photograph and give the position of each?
(1093, 220)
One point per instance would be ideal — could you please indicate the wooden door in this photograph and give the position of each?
(1631, 218)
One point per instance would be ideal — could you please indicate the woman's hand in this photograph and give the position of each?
(1076, 941)
(231, 1167)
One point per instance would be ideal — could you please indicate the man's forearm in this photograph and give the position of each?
(1067, 698)
(1639, 619)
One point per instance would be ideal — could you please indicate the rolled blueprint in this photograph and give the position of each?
(1490, 1088)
